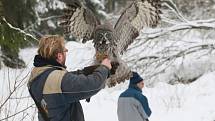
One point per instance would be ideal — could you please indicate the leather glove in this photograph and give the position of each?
(114, 67)
(89, 69)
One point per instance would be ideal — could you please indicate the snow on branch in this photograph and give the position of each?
(176, 40)
(17, 30)
(181, 53)
(198, 24)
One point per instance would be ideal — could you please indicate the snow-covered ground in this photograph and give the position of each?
(191, 102)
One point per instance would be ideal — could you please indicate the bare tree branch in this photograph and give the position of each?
(10, 116)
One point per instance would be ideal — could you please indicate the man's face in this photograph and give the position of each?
(140, 84)
(61, 57)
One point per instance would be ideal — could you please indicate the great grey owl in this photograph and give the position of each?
(109, 41)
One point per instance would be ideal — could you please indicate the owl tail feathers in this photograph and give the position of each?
(114, 79)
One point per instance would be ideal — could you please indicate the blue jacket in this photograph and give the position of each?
(63, 90)
(133, 105)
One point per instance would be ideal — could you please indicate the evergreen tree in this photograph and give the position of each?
(15, 14)
(19, 13)
(1, 8)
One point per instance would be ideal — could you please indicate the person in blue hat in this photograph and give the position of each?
(132, 104)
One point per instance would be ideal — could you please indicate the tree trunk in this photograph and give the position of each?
(1, 8)
(110, 6)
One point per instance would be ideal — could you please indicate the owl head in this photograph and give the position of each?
(104, 37)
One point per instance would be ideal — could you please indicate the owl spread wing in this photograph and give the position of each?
(139, 14)
(79, 21)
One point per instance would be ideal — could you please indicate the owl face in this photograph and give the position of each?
(103, 40)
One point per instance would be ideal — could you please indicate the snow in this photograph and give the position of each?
(100, 3)
(179, 102)
(42, 6)
(194, 102)
(185, 67)
(57, 4)
(213, 7)
(51, 24)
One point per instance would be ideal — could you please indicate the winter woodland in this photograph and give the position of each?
(176, 59)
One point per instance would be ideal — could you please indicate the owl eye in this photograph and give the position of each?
(108, 36)
(100, 36)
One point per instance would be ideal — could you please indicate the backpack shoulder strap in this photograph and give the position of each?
(36, 91)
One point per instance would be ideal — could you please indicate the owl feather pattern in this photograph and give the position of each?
(109, 41)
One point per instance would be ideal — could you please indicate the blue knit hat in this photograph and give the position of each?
(136, 78)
